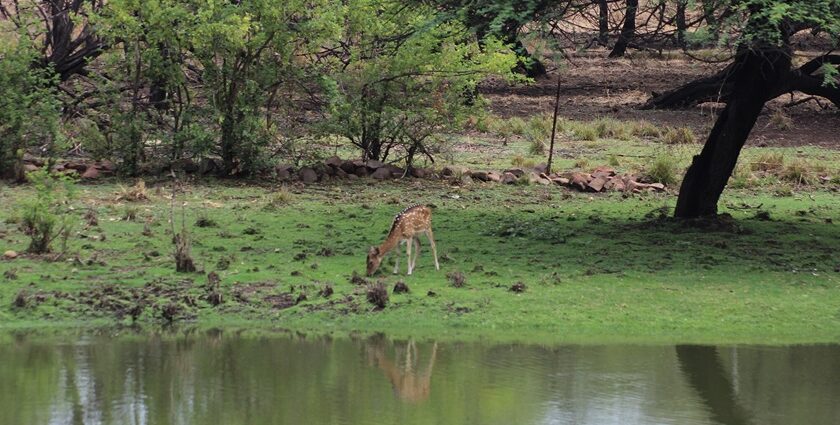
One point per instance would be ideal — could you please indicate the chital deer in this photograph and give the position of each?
(407, 227)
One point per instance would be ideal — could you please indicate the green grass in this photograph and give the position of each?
(598, 269)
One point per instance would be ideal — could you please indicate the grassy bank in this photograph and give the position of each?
(596, 268)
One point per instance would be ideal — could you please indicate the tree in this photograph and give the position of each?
(398, 77)
(627, 29)
(760, 71)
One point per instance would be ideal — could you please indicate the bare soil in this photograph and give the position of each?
(593, 86)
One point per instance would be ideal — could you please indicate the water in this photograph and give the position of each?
(229, 378)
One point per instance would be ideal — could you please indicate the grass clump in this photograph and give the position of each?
(517, 126)
(522, 162)
(742, 178)
(781, 121)
(457, 279)
(279, 199)
(44, 217)
(662, 170)
(584, 131)
(769, 162)
(800, 172)
(678, 136)
(609, 128)
(645, 129)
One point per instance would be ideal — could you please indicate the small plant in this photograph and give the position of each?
(581, 163)
(401, 288)
(130, 214)
(613, 161)
(662, 170)
(377, 295)
(90, 217)
(678, 136)
(456, 279)
(518, 161)
(279, 199)
(781, 121)
(136, 193)
(326, 291)
(44, 218)
(537, 147)
(204, 221)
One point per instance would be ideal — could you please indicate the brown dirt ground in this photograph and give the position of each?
(593, 87)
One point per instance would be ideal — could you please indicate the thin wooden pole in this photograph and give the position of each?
(553, 126)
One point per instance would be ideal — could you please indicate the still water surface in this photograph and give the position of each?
(229, 378)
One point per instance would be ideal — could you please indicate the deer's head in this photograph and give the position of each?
(373, 260)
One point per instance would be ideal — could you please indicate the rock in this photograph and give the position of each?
(561, 181)
(597, 184)
(603, 171)
(396, 172)
(349, 167)
(283, 172)
(535, 178)
(208, 166)
(466, 179)
(334, 162)
(352, 177)
(508, 178)
(340, 173)
(308, 175)
(31, 159)
(30, 167)
(107, 166)
(374, 164)
(579, 181)
(10, 255)
(494, 177)
(454, 170)
(76, 165)
(657, 186)
(91, 173)
(382, 173)
(541, 168)
(518, 172)
(361, 172)
(420, 173)
(480, 176)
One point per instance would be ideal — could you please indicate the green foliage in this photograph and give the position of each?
(29, 109)
(678, 136)
(404, 76)
(45, 216)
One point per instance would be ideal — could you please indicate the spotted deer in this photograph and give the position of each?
(407, 227)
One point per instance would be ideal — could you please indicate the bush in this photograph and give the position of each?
(29, 110)
(584, 131)
(799, 172)
(609, 128)
(769, 162)
(781, 121)
(517, 126)
(45, 218)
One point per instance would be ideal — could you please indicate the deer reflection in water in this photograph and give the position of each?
(408, 382)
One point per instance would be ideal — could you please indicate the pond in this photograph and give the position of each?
(215, 377)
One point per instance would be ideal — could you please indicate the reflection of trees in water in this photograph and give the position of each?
(706, 374)
(409, 383)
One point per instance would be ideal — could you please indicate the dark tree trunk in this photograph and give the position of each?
(603, 22)
(627, 30)
(758, 73)
(707, 376)
(682, 27)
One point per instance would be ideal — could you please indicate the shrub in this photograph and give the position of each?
(517, 126)
(377, 295)
(29, 109)
(742, 178)
(537, 147)
(45, 217)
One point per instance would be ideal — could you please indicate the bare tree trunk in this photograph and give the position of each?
(603, 22)
(627, 30)
(553, 126)
(758, 73)
(682, 27)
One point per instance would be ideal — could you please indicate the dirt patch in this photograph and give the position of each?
(593, 86)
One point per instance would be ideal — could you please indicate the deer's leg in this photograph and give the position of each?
(408, 253)
(434, 248)
(397, 263)
(416, 242)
